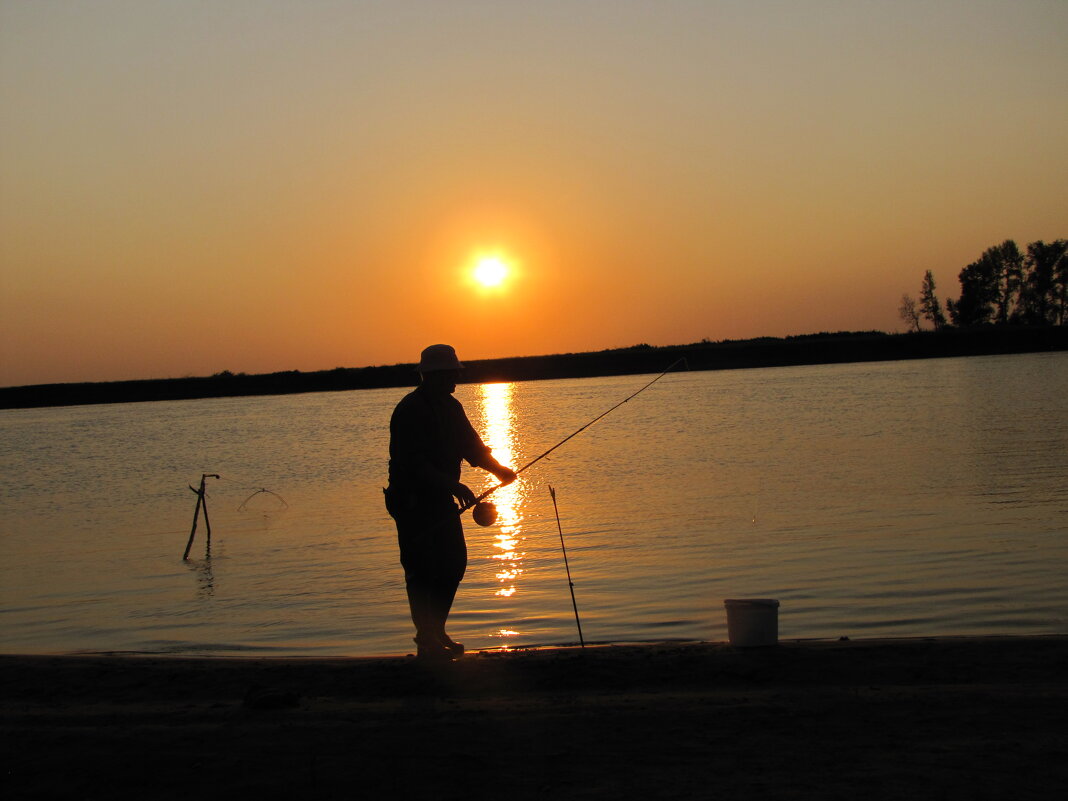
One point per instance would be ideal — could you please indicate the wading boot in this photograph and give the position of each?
(432, 650)
(453, 647)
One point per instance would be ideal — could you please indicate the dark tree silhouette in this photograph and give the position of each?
(989, 287)
(1044, 294)
(929, 303)
(909, 312)
(1060, 282)
(1010, 280)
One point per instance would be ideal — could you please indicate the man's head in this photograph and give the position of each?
(439, 367)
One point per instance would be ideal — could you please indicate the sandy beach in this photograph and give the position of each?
(912, 718)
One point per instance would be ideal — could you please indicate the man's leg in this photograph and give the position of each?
(451, 569)
(421, 604)
(418, 579)
(434, 556)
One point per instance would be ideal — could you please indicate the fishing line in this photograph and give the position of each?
(238, 481)
(261, 491)
(202, 505)
(570, 583)
(480, 498)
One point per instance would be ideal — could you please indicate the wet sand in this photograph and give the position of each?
(869, 719)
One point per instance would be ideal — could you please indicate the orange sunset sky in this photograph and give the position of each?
(188, 187)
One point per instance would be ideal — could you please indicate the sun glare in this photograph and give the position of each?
(491, 271)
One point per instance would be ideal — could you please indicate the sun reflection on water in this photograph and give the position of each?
(499, 434)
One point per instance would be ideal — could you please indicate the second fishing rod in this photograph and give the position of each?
(485, 513)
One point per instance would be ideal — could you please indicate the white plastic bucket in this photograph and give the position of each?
(752, 622)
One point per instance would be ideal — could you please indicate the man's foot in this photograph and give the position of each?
(432, 650)
(453, 647)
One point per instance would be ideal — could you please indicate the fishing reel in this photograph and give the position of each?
(484, 513)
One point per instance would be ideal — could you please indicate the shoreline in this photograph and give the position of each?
(271, 656)
(923, 717)
(802, 350)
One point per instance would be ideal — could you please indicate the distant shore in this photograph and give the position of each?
(925, 718)
(826, 348)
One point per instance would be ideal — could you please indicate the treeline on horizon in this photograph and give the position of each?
(821, 348)
(1004, 286)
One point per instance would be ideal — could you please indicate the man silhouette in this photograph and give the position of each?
(429, 436)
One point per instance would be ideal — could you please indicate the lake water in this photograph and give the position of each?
(876, 499)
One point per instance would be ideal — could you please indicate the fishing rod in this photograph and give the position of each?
(535, 460)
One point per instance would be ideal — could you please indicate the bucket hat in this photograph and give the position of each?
(438, 357)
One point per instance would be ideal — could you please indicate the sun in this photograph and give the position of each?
(490, 271)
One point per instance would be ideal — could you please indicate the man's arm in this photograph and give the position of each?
(480, 455)
(505, 475)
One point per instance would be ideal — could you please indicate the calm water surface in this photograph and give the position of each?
(883, 499)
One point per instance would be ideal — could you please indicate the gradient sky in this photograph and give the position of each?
(189, 187)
